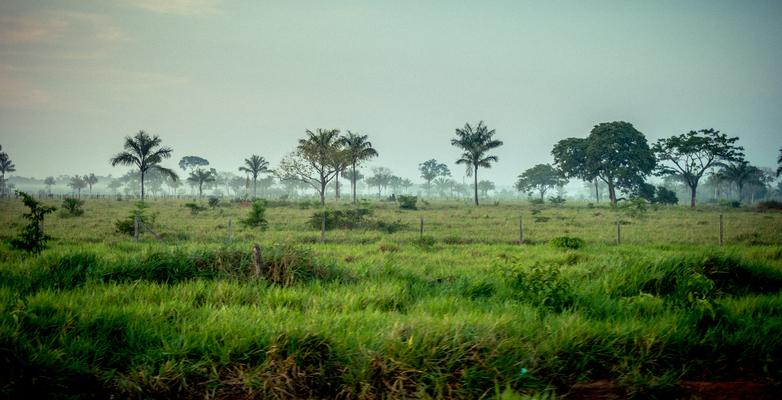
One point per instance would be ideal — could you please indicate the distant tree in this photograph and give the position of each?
(353, 177)
(431, 169)
(381, 178)
(190, 163)
(77, 183)
(200, 177)
(614, 152)
(741, 173)
(476, 142)
(779, 162)
(395, 184)
(692, 154)
(313, 162)
(5, 166)
(114, 185)
(406, 184)
(358, 149)
(144, 152)
(254, 166)
(236, 184)
(49, 182)
(90, 180)
(484, 186)
(541, 177)
(665, 196)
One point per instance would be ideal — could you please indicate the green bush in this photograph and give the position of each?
(127, 225)
(770, 205)
(425, 242)
(257, 216)
(32, 238)
(542, 286)
(195, 208)
(213, 201)
(351, 218)
(556, 201)
(567, 242)
(71, 207)
(665, 196)
(407, 202)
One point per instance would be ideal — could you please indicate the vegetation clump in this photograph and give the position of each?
(72, 207)
(770, 205)
(567, 242)
(128, 224)
(257, 216)
(542, 286)
(32, 238)
(407, 202)
(195, 208)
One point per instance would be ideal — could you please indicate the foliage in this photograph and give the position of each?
(316, 161)
(567, 242)
(541, 177)
(213, 201)
(692, 154)
(192, 162)
(255, 165)
(90, 180)
(350, 218)
(614, 152)
(71, 207)
(665, 196)
(128, 224)
(200, 177)
(257, 215)
(542, 286)
(32, 238)
(144, 152)
(407, 202)
(77, 183)
(431, 169)
(359, 149)
(635, 207)
(476, 142)
(195, 208)
(425, 242)
(770, 205)
(557, 201)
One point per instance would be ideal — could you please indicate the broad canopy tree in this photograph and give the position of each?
(476, 142)
(190, 163)
(692, 154)
(315, 161)
(431, 169)
(145, 153)
(541, 178)
(614, 152)
(78, 183)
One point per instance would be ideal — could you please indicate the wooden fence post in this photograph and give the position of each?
(521, 229)
(421, 232)
(257, 260)
(618, 232)
(135, 228)
(323, 227)
(722, 231)
(230, 234)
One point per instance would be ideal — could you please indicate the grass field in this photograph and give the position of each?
(466, 312)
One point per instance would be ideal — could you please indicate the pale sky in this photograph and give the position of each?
(226, 79)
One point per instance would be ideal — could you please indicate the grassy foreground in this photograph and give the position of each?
(378, 315)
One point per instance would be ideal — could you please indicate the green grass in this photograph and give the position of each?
(377, 315)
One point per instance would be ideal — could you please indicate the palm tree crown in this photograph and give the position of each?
(254, 166)
(358, 149)
(144, 152)
(476, 142)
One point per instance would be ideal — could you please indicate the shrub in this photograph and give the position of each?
(567, 242)
(285, 264)
(341, 219)
(127, 225)
(536, 201)
(390, 227)
(635, 207)
(407, 202)
(425, 242)
(770, 205)
(195, 208)
(556, 201)
(213, 201)
(730, 204)
(257, 215)
(665, 196)
(32, 238)
(71, 207)
(542, 286)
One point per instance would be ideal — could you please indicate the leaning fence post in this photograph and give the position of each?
(135, 228)
(722, 231)
(421, 232)
(230, 235)
(521, 229)
(257, 260)
(618, 232)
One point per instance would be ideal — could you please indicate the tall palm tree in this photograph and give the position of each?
(144, 152)
(738, 173)
(476, 142)
(200, 177)
(255, 165)
(358, 149)
(5, 166)
(90, 180)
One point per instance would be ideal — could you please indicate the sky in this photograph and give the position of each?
(227, 79)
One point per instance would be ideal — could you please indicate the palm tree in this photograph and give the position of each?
(5, 166)
(145, 153)
(255, 165)
(78, 183)
(199, 177)
(359, 149)
(90, 180)
(738, 173)
(476, 142)
(49, 181)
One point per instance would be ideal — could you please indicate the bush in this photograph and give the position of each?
(567, 242)
(127, 225)
(536, 201)
(71, 207)
(425, 242)
(390, 227)
(257, 215)
(213, 201)
(341, 219)
(542, 286)
(407, 202)
(770, 205)
(665, 196)
(195, 208)
(730, 204)
(32, 238)
(556, 201)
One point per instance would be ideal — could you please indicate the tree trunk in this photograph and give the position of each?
(255, 186)
(142, 186)
(597, 192)
(693, 189)
(612, 194)
(322, 191)
(336, 185)
(475, 183)
(353, 183)
(200, 190)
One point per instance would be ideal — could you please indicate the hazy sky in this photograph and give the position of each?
(225, 79)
